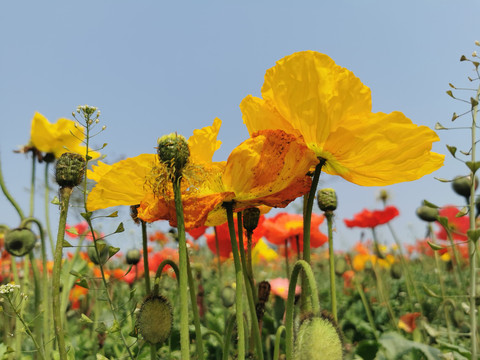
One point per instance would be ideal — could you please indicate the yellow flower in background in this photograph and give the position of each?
(307, 93)
(58, 138)
(262, 253)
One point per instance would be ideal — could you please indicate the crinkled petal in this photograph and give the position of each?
(123, 184)
(269, 169)
(203, 143)
(58, 138)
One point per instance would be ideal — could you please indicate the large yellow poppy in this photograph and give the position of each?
(307, 93)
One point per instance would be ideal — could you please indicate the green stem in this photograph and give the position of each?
(145, 257)
(287, 263)
(182, 254)
(228, 335)
(196, 316)
(238, 279)
(310, 282)
(366, 306)
(278, 337)
(331, 256)
(32, 186)
(47, 208)
(65, 193)
(8, 196)
(255, 336)
(472, 245)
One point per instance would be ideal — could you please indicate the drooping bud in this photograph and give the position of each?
(20, 241)
(173, 151)
(327, 199)
(228, 296)
(70, 170)
(318, 338)
(427, 213)
(103, 252)
(155, 319)
(133, 256)
(462, 185)
(250, 218)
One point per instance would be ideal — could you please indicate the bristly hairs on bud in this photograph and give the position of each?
(70, 170)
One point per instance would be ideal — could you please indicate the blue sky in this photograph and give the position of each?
(156, 67)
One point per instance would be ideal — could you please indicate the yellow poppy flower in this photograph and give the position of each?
(270, 168)
(58, 138)
(307, 93)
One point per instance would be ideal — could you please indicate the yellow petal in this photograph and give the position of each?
(203, 143)
(58, 138)
(269, 169)
(123, 184)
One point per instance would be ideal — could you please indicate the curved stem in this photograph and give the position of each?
(310, 277)
(238, 279)
(278, 336)
(8, 196)
(57, 269)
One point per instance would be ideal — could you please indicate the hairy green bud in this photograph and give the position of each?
(70, 170)
(20, 241)
(327, 199)
(155, 319)
(173, 151)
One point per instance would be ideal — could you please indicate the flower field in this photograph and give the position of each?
(234, 278)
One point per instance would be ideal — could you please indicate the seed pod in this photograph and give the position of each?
(228, 296)
(462, 185)
(70, 170)
(133, 256)
(155, 319)
(20, 241)
(427, 213)
(327, 199)
(250, 218)
(318, 339)
(102, 247)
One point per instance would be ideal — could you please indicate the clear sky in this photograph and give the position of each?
(155, 67)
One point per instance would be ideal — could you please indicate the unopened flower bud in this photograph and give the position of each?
(228, 296)
(155, 319)
(250, 218)
(318, 338)
(70, 170)
(173, 151)
(20, 241)
(133, 256)
(477, 42)
(327, 199)
(427, 213)
(474, 54)
(462, 185)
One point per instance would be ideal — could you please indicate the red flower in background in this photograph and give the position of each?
(279, 287)
(224, 243)
(285, 226)
(371, 219)
(197, 232)
(458, 225)
(82, 230)
(407, 322)
(159, 236)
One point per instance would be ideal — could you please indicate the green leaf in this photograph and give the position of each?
(473, 234)
(87, 215)
(100, 357)
(435, 247)
(429, 204)
(465, 153)
(451, 85)
(72, 231)
(443, 221)
(439, 126)
(450, 93)
(476, 63)
(442, 179)
(454, 116)
(395, 346)
(100, 246)
(430, 292)
(114, 214)
(463, 58)
(120, 228)
(112, 251)
(102, 328)
(83, 283)
(75, 273)
(462, 212)
(457, 348)
(66, 244)
(473, 166)
(84, 319)
(55, 201)
(473, 101)
(452, 149)
(115, 327)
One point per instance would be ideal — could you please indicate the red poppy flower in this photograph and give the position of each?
(279, 287)
(458, 225)
(81, 229)
(285, 226)
(407, 321)
(224, 243)
(371, 219)
(159, 236)
(195, 233)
